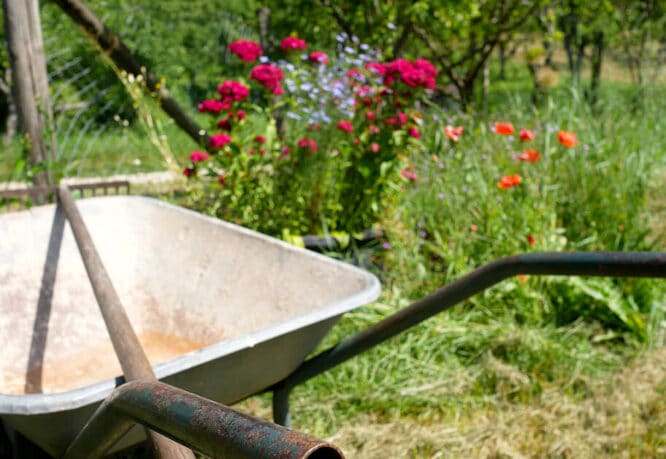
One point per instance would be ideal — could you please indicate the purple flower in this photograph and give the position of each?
(423, 234)
(386, 245)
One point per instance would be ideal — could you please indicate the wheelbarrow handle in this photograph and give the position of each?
(599, 264)
(213, 429)
(130, 353)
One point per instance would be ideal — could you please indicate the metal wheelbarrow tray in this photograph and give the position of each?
(221, 311)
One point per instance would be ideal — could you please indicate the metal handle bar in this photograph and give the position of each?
(600, 264)
(209, 427)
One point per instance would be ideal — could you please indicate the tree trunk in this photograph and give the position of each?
(264, 21)
(26, 57)
(503, 58)
(11, 122)
(597, 57)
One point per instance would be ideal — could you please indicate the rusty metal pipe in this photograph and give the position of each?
(600, 264)
(206, 426)
(132, 358)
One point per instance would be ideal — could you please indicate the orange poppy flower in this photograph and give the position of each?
(526, 134)
(568, 139)
(453, 133)
(509, 181)
(504, 128)
(531, 156)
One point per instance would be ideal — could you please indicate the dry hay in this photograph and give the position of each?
(623, 416)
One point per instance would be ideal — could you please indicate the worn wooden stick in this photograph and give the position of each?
(132, 358)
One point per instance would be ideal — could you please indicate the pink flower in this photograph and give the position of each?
(278, 91)
(285, 152)
(267, 75)
(293, 43)
(241, 114)
(219, 140)
(453, 133)
(246, 50)
(402, 117)
(409, 173)
(374, 147)
(374, 129)
(198, 156)
(260, 139)
(308, 144)
(414, 132)
(233, 91)
(345, 126)
(318, 57)
(370, 115)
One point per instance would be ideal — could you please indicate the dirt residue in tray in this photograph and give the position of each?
(92, 365)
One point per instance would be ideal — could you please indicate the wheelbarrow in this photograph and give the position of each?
(222, 311)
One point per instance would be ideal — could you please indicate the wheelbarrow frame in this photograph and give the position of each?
(597, 264)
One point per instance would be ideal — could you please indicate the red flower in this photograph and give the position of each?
(214, 106)
(345, 126)
(530, 239)
(568, 139)
(189, 171)
(504, 128)
(509, 181)
(370, 115)
(247, 50)
(473, 228)
(233, 91)
(376, 67)
(308, 144)
(409, 173)
(221, 180)
(318, 57)
(353, 73)
(198, 156)
(267, 75)
(531, 156)
(224, 124)
(414, 132)
(454, 133)
(219, 140)
(293, 43)
(526, 134)
(241, 114)
(260, 139)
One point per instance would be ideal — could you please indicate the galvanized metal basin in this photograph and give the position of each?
(221, 311)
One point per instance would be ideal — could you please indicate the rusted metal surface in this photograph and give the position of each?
(132, 358)
(208, 427)
(600, 264)
(20, 198)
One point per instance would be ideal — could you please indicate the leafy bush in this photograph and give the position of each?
(312, 144)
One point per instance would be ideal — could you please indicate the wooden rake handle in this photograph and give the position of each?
(132, 358)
